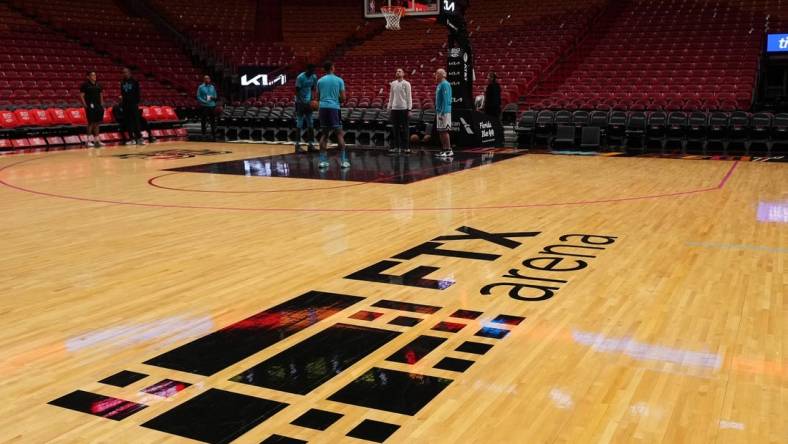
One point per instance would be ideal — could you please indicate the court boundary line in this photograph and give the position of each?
(728, 175)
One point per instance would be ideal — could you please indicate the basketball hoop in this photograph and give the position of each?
(393, 14)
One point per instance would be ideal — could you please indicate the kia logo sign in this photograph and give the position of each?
(263, 80)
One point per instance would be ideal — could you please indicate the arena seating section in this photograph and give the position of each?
(521, 43)
(134, 41)
(226, 29)
(661, 55)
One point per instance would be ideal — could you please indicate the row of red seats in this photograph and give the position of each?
(24, 118)
(60, 141)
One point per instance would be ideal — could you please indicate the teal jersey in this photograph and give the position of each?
(443, 98)
(304, 86)
(329, 86)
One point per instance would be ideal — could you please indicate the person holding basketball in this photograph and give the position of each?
(330, 94)
(443, 113)
(305, 87)
(400, 104)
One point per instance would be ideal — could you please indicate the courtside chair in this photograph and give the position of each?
(636, 130)
(718, 132)
(676, 132)
(697, 130)
(780, 133)
(590, 138)
(526, 129)
(564, 137)
(739, 132)
(760, 135)
(656, 130)
(545, 124)
(616, 128)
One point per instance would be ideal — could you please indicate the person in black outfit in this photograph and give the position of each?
(492, 96)
(130, 101)
(93, 100)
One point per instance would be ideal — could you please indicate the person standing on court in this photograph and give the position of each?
(443, 113)
(330, 94)
(305, 88)
(206, 95)
(492, 96)
(130, 101)
(92, 97)
(400, 104)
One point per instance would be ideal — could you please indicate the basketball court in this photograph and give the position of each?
(234, 291)
(230, 287)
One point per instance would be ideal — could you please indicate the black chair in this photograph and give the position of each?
(581, 119)
(779, 131)
(565, 136)
(526, 128)
(739, 132)
(616, 128)
(636, 129)
(563, 118)
(676, 131)
(545, 122)
(590, 138)
(656, 129)
(509, 114)
(599, 119)
(760, 134)
(719, 131)
(697, 130)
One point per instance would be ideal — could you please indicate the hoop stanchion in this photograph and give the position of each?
(393, 14)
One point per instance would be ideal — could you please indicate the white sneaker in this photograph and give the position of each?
(445, 154)
(99, 144)
(345, 164)
(141, 142)
(323, 164)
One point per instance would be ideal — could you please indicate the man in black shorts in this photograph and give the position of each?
(130, 101)
(93, 101)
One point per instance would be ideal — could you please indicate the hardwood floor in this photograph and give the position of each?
(653, 292)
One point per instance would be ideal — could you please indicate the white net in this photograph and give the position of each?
(393, 14)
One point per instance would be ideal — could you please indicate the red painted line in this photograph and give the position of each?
(152, 182)
(721, 184)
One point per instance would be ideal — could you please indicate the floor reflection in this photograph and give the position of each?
(367, 165)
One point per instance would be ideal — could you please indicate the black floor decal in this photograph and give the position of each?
(308, 364)
(391, 391)
(215, 416)
(98, 405)
(124, 378)
(371, 430)
(417, 349)
(317, 419)
(219, 350)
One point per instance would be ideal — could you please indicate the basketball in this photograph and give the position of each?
(315, 105)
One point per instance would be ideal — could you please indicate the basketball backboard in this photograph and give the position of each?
(413, 7)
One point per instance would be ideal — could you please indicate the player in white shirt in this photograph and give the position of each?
(400, 104)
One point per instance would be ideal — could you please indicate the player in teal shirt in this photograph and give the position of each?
(305, 85)
(443, 96)
(331, 93)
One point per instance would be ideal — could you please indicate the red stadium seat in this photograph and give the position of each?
(76, 116)
(41, 117)
(24, 117)
(8, 119)
(156, 113)
(58, 116)
(109, 116)
(5, 144)
(169, 113)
